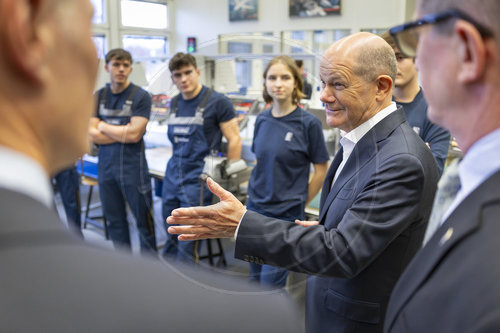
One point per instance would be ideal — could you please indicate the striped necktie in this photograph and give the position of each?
(448, 187)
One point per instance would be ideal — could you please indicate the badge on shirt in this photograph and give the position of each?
(288, 136)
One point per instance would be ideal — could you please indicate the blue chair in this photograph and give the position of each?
(88, 176)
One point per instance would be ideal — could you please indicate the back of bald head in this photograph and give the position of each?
(372, 55)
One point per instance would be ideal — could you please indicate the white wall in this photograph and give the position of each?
(206, 19)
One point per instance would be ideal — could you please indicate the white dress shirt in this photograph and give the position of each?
(480, 162)
(349, 140)
(22, 174)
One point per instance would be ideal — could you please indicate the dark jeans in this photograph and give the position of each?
(68, 184)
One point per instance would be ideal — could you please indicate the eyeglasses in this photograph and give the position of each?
(406, 35)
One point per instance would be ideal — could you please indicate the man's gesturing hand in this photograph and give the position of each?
(214, 221)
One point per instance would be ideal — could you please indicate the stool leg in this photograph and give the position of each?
(89, 198)
(210, 255)
(106, 232)
(221, 253)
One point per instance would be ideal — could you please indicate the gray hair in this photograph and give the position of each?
(374, 61)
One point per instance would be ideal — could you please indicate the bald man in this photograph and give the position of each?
(375, 201)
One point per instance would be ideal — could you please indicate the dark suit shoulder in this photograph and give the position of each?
(28, 214)
(58, 283)
(407, 140)
(461, 253)
(403, 140)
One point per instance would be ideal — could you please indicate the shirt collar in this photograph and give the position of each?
(23, 174)
(480, 162)
(349, 140)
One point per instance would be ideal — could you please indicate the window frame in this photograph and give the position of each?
(114, 31)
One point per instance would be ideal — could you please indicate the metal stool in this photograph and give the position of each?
(89, 179)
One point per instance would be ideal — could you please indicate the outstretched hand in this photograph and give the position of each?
(215, 221)
(306, 223)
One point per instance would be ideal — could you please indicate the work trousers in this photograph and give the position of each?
(114, 195)
(184, 195)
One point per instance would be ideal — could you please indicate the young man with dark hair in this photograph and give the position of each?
(409, 95)
(118, 54)
(118, 128)
(199, 117)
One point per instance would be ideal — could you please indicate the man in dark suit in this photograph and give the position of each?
(452, 284)
(51, 280)
(375, 201)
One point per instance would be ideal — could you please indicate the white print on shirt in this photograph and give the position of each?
(288, 136)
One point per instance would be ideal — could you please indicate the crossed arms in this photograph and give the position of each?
(103, 133)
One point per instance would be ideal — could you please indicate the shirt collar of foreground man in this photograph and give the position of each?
(23, 174)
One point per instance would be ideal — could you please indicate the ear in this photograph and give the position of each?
(23, 38)
(472, 52)
(384, 87)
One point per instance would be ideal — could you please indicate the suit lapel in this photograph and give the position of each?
(327, 184)
(361, 154)
(464, 220)
(364, 150)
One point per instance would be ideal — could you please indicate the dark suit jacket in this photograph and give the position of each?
(372, 223)
(453, 283)
(53, 282)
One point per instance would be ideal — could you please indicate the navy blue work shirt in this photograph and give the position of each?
(437, 137)
(285, 147)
